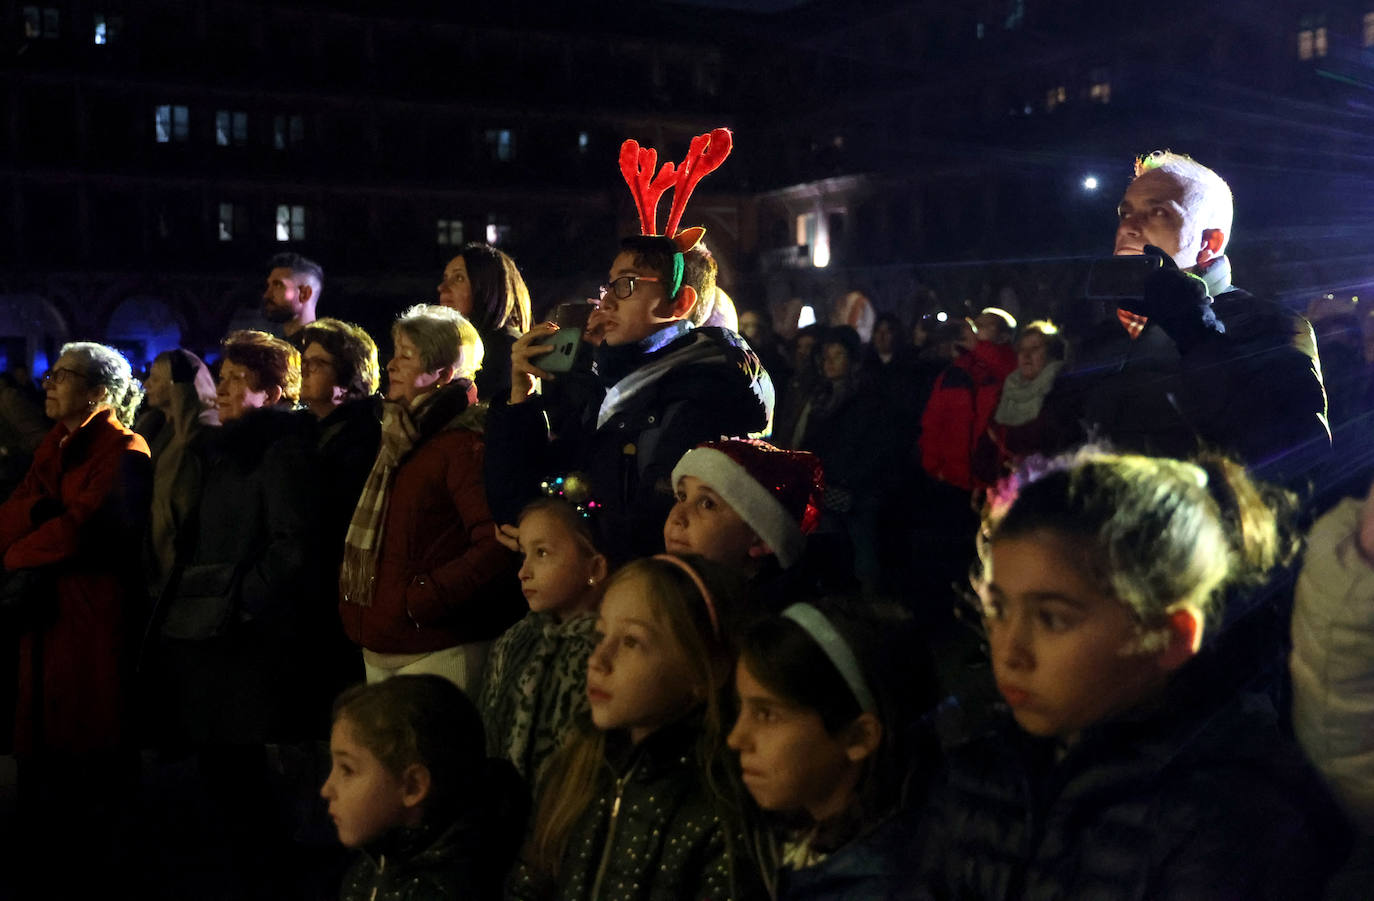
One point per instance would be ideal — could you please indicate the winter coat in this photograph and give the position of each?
(1198, 798)
(877, 866)
(442, 577)
(959, 409)
(177, 477)
(662, 397)
(534, 687)
(1332, 663)
(79, 513)
(653, 832)
(1255, 390)
(850, 428)
(232, 618)
(425, 864)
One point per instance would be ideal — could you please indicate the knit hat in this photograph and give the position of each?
(776, 492)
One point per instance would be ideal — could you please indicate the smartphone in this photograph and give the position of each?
(571, 319)
(1120, 278)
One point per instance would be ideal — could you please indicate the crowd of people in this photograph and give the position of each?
(1003, 612)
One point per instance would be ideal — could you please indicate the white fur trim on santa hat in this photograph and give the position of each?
(755, 504)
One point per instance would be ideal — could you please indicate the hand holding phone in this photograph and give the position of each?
(571, 319)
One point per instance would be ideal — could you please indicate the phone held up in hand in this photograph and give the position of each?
(1120, 278)
(571, 319)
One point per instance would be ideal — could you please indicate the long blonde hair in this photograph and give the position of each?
(571, 780)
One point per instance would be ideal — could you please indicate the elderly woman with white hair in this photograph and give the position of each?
(70, 534)
(425, 586)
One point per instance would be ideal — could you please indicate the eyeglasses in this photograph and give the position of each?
(624, 286)
(61, 375)
(311, 364)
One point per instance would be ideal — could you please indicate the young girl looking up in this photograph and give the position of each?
(1134, 764)
(828, 697)
(640, 804)
(747, 505)
(411, 788)
(535, 682)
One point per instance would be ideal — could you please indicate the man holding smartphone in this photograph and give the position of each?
(1191, 361)
(663, 387)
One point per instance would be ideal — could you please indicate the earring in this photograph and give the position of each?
(591, 582)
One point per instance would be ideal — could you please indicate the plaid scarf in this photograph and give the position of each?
(358, 576)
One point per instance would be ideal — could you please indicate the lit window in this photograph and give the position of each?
(500, 144)
(1101, 92)
(1054, 97)
(980, 31)
(1319, 41)
(1016, 14)
(226, 222)
(806, 229)
(290, 222)
(498, 232)
(287, 131)
(42, 22)
(450, 232)
(1305, 44)
(106, 28)
(171, 124)
(231, 128)
(583, 140)
(1369, 29)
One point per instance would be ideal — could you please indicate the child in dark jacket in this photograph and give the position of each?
(641, 804)
(413, 790)
(829, 746)
(1135, 765)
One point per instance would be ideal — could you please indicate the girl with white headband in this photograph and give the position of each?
(828, 698)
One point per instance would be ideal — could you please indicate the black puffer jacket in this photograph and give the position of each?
(662, 397)
(1254, 390)
(1200, 800)
(654, 832)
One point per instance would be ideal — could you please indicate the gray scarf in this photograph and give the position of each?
(1022, 397)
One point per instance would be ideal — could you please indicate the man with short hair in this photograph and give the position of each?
(292, 293)
(1193, 362)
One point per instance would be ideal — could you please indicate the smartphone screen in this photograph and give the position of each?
(1120, 278)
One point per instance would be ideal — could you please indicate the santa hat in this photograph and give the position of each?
(776, 492)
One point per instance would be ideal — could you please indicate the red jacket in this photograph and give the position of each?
(442, 577)
(98, 484)
(960, 407)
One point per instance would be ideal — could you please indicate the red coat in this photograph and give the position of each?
(102, 479)
(442, 577)
(960, 407)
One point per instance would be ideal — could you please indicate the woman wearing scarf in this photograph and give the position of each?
(425, 587)
(1017, 429)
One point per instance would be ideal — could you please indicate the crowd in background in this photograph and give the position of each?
(995, 613)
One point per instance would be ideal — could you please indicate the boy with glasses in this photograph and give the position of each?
(664, 387)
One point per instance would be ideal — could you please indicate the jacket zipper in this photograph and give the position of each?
(610, 835)
(381, 868)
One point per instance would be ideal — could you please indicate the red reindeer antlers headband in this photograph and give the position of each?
(704, 156)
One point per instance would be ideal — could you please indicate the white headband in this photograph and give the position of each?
(815, 624)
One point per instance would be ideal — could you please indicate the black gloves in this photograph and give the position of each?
(1176, 301)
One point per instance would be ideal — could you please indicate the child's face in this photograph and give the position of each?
(1065, 654)
(788, 759)
(365, 798)
(556, 568)
(638, 676)
(647, 309)
(701, 523)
